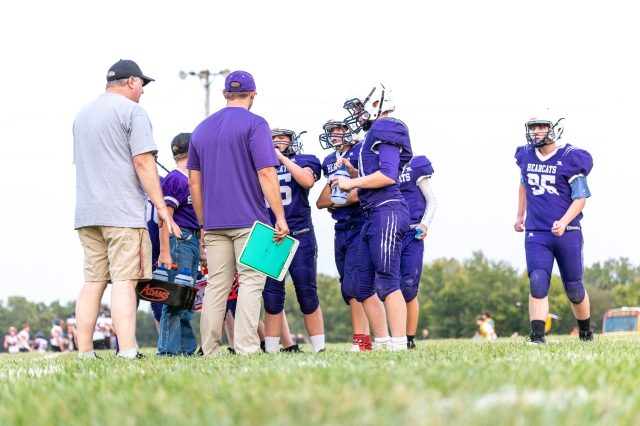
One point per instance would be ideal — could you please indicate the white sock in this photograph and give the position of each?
(355, 348)
(271, 344)
(87, 355)
(129, 353)
(381, 342)
(399, 343)
(317, 342)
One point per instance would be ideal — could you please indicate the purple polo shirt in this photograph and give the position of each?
(228, 148)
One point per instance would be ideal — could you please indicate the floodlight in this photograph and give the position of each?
(183, 75)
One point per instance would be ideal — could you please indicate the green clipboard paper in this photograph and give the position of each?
(262, 254)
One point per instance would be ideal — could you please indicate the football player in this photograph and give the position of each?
(338, 138)
(297, 174)
(416, 189)
(385, 151)
(553, 191)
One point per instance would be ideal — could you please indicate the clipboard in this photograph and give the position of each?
(262, 254)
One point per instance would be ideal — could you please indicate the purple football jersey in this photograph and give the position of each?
(295, 199)
(352, 211)
(154, 231)
(418, 167)
(547, 181)
(228, 148)
(383, 131)
(178, 195)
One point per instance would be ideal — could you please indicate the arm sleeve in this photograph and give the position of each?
(141, 136)
(193, 160)
(430, 198)
(389, 160)
(261, 147)
(579, 188)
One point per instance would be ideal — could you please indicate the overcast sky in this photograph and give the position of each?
(465, 77)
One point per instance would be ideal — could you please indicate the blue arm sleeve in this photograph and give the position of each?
(389, 160)
(579, 188)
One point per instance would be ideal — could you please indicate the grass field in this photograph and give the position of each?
(442, 382)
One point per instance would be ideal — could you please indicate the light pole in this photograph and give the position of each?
(206, 78)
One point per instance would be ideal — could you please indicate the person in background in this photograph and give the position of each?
(57, 336)
(11, 341)
(425, 334)
(23, 337)
(40, 344)
(72, 331)
(485, 329)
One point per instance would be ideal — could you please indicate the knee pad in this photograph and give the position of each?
(539, 282)
(308, 300)
(273, 303)
(409, 292)
(575, 291)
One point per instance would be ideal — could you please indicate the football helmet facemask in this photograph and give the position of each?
(364, 111)
(336, 140)
(536, 139)
(294, 146)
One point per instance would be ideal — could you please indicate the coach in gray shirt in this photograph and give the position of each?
(114, 153)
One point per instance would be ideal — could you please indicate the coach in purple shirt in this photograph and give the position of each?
(231, 172)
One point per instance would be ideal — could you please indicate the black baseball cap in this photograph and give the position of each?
(126, 68)
(180, 144)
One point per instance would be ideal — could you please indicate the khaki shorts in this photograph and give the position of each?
(115, 254)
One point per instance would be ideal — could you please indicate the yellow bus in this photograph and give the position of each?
(621, 321)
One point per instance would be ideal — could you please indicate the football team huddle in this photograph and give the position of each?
(381, 221)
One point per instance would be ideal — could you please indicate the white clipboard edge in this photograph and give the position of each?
(285, 268)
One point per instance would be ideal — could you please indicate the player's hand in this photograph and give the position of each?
(165, 259)
(344, 184)
(164, 216)
(203, 257)
(353, 172)
(519, 225)
(423, 235)
(279, 155)
(330, 210)
(558, 228)
(282, 230)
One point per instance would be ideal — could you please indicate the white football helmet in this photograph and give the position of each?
(295, 146)
(365, 108)
(554, 134)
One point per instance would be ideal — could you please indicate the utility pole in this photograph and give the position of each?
(206, 78)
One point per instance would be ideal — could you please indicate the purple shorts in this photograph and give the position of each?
(378, 264)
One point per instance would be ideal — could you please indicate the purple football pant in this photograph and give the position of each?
(411, 265)
(303, 272)
(378, 264)
(346, 245)
(542, 248)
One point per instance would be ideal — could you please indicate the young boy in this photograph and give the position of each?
(349, 222)
(485, 328)
(553, 191)
(297, 173)
(416, 189)
(385, 151)
(176, 335)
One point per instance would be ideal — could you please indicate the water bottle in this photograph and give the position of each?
(161, 273)
(184, 278)
(338, 196)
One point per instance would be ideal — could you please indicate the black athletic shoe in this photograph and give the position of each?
(231, 351)
(411, 344)
(586, 336)
(200, 352)
(535, 339)
(292, 349)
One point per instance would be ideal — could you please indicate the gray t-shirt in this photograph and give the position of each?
(107, 134)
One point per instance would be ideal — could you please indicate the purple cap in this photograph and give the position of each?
(239, 81)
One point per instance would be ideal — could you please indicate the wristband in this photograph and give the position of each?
(201, 226)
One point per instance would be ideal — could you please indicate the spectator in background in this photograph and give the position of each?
(57, 336)
(425, 334)
(486, 316)
(11, 341)
(485, 328)
(71, 331)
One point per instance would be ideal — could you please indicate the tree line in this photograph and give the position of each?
(451, 294)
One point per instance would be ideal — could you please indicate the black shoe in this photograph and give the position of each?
(535, 339)
(292, 349)
(586, 336)
(199, 352)
(231, 351)
(411, 344)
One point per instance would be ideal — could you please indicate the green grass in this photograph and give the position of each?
(565, 382)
